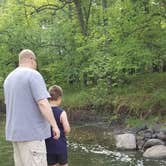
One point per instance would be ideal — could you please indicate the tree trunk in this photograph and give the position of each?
(70, 11)
(80, 16)
(104, 4)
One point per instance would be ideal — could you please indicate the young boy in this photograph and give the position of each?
(57, 149)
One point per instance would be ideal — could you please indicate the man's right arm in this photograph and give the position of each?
(46, 111)
(40, 95)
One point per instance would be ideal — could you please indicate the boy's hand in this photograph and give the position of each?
(56, 133)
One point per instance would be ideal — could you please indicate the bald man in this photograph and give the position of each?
(28, 113)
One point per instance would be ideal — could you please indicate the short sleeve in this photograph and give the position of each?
(38, 87)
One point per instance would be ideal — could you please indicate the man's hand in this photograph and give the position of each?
(46, 111)
(56, 132)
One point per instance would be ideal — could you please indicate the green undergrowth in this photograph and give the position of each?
(149, 121)
(141, 97)
(6, 151)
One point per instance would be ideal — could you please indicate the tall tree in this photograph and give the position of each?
(83, 14)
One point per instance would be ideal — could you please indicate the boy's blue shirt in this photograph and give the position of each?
(57, 146)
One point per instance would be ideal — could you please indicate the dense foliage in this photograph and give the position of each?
(89, 44)
(82, 41)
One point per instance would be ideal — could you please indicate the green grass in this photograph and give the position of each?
(144, 95)
(6, 151)
(150, 121)
(76, 98)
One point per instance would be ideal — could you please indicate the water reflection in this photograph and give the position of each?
(92, 153)
(97, 155)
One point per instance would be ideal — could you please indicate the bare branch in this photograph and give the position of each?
(46, 7)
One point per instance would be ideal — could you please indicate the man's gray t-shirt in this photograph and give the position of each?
(23, 88)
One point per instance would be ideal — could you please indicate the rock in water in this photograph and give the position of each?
(126, 141)
(152, 142)
(156, 152)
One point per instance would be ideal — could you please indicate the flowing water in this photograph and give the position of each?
(92, 147)
(96, 155)
(89, 145)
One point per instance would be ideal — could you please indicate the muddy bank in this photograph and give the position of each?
(87, 115)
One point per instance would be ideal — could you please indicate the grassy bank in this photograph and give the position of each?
(143, 97)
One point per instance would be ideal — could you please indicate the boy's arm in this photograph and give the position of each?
(65, 122)
(46, 111)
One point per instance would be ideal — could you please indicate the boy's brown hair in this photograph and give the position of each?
(55, 92)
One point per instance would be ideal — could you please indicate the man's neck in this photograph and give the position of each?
(26, 66)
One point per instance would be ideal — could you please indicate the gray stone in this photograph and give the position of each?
(140, 144)
(126, 141)
(154, 135)
(163, 130)
(156, 152)
(148, 134)
(162, 135)
(152, 142)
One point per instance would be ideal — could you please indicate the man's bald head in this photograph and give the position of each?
(26, 57)
(26, 54)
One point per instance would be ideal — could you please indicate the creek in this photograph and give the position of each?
(90, 144)
(93, 145)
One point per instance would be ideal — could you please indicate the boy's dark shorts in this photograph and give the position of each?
(57, 158)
